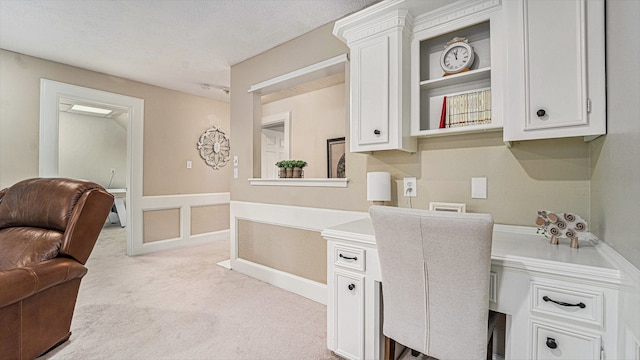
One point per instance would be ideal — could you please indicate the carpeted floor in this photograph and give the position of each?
(180, 305)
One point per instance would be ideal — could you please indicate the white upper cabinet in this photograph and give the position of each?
(379, 44)
(473, 95)
(537, 70)
(397, 84)
(555, 69)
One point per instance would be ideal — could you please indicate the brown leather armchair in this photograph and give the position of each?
(48, 228)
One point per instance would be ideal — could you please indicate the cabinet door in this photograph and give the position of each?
(349, 312)
(555, 78)
(551, 342)
(556, 56)
(379, 43)
(370, 92)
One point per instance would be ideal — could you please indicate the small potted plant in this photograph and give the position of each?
(288, 165)
(298, 165)
(282, 173)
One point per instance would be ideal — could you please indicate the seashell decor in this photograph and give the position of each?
(562, 225)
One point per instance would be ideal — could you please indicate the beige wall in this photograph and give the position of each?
(615, 183)
(533, 175)
(161, 225)
(315, 117)
(311, 48)
(206, 219)
(171, 131)
(173, 122)
(551, 174)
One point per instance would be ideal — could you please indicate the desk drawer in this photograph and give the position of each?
(349, 257)
(579, 304)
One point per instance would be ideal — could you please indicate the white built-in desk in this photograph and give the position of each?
(525, 271)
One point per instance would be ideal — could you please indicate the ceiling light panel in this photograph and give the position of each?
(91, 109)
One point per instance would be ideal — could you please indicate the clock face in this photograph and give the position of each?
(456, 57)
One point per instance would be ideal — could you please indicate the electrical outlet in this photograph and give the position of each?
(410, 187)
(235, 173)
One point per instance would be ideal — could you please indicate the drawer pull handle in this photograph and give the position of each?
(547, 299)
(541, 112)
(376, 132)
(351, 286)
(349, 258)
(551, 343)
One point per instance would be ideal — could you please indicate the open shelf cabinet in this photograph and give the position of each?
(430, 86)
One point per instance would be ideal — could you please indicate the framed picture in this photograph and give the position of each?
(336, 166)
(453, 207)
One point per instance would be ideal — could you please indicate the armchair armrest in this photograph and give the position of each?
(20, 283)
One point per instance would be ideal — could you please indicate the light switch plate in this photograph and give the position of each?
(479, 188)
(235, 173)
(189, 164)
(235, 160)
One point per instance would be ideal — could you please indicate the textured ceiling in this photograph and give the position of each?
(176, 44)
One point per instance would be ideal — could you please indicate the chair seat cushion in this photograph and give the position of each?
(24, 246)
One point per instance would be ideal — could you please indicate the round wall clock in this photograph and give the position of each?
(457, 56)
(214, 147)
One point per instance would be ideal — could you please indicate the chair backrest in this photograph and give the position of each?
(43, 218)
(435, 279)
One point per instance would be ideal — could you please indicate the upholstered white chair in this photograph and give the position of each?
(435, 270)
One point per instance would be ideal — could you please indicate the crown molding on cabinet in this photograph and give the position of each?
(455, 11)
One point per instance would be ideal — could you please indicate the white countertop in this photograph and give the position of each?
(517, 247)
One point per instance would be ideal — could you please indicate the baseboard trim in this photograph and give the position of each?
(298, 285)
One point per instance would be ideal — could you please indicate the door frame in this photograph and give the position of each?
(50, 94)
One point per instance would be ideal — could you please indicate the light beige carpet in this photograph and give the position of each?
(180, 305)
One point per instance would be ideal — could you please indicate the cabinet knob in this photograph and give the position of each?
(541, 112)
(351, 286)
(551, 343)
(376, 131)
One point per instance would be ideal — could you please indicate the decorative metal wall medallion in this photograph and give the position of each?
(214, 147)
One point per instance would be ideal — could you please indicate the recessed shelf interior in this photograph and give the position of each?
(434, 85)
(431, 49)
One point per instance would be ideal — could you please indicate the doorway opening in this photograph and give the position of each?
(92, 145)
(55, 96)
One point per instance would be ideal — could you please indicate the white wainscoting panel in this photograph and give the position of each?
(306, 218)
(184, 203)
